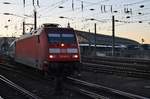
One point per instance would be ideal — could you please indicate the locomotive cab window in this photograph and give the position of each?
(54, 38)
(65, 38)
(68, 38)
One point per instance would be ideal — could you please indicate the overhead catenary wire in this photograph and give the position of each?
(52, 6)
(81, 8)
(78, 8)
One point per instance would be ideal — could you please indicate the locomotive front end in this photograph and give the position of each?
(63, 51)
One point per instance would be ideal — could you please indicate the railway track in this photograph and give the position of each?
(47, 81)
(31, 76)
(19, 89)
(8, 67)
(113, 67)
(119, 64)
(130, 63)
(120, 60)
(121, 71)
(22, 70)
(100, 92)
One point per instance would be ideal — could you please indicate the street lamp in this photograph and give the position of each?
(6, 3)
(62, 17)
(92, 19)
(61, 7)
(92, 9)
(13, 15)
(7, 14)
(113, 35)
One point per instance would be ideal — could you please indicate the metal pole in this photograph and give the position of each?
(35, 19)
(113, 35)
(95, 38)
(23, 31)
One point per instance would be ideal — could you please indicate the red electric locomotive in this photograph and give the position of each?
(50, 48)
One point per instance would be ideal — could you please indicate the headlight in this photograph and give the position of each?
(75, 56)
(52, 56)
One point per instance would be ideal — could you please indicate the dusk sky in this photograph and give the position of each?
(133, 16)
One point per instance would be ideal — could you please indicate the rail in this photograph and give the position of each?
(18, 88)
(107, 89)
(115, 67)
(120, 60)
(108, 69)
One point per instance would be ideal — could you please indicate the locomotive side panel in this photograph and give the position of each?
(42, 49)
(26, 51)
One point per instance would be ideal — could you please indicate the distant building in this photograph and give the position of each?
(86, 37)
(123, 47)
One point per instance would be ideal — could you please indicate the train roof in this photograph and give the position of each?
(43, 27)
(50, 25)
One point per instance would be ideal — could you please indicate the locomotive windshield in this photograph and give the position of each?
(64, 38)
(54, 38)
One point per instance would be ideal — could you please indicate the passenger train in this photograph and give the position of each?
(51, 49)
